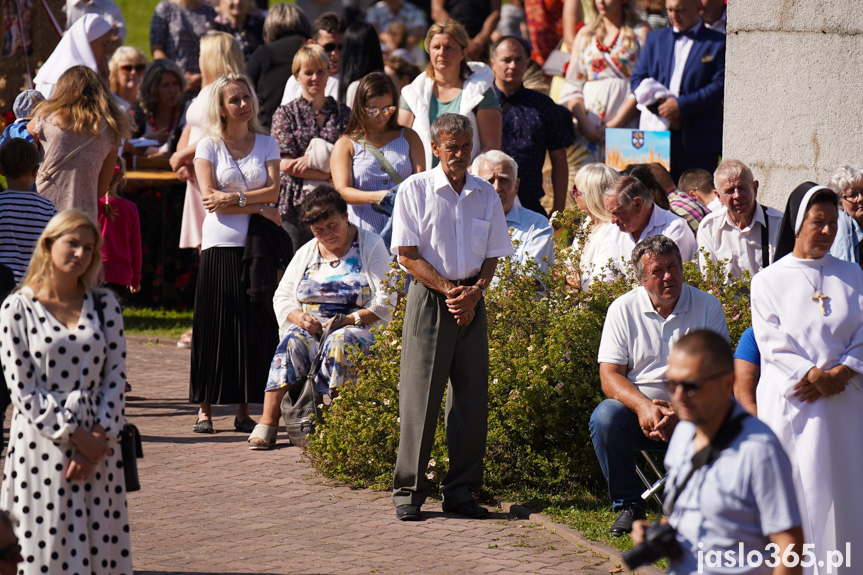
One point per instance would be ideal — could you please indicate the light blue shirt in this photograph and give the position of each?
(744, 496)
(848, 237)
(534, 234)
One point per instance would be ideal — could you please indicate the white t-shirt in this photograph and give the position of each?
(229, 230)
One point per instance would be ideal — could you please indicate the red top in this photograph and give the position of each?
(121, 250)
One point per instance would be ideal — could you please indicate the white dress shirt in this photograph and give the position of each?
(534, 234)
(723, 240)
(714, 204)
(682, 47)
(635, 335)
(294, 91)
(454, 232)
(663, 223)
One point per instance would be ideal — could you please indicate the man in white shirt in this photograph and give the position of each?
(531, 230)
(636, 217)
(328, 33)
(639, 330)
(448, 232)
(743, 231)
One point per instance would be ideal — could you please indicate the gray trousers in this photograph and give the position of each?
(434, 349)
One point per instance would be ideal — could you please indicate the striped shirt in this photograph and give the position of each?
(687, 208)
(370, 176)
(23, 216)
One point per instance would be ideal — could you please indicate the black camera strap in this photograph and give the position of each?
(728, 432)
(765, 240)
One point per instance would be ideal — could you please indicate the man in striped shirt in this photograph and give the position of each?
(682, 205)
(23, 213)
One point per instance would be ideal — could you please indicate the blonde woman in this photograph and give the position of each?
(597, 88)
(220, 54)
(125, 71)
(237, 168)
(64, 363)
(452, 85)
(590, 183)
(79, 130)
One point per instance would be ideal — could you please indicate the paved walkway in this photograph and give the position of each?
(210, 505)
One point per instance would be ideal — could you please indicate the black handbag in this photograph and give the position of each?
(302, 404)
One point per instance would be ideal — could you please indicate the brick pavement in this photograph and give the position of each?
(210, 505)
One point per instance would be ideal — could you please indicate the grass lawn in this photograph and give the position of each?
(156, 322)
(138, 14)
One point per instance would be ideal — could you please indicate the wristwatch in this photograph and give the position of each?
(242, 201)
(357, 320)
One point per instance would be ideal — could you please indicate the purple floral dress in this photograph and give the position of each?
(293, 127)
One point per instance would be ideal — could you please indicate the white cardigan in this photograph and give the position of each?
(418, 95)
(376, 264)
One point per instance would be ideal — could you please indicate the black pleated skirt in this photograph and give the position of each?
(233, 340)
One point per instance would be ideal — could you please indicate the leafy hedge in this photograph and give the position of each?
(544, 381)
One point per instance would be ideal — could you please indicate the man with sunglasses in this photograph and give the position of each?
(729, 494)
(327, 32)
(639, 330)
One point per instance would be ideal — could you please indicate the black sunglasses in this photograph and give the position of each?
(10, 553)
(136, 67)
(331, 47)
(690, 388)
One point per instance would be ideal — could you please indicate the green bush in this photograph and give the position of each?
(544, 381)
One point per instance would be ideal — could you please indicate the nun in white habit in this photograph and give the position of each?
(86, 43)
(807, 314)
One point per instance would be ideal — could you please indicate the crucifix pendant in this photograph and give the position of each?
(819, 297)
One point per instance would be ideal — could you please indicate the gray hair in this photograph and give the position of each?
(449, 124)
(592, 180)
(731, 169)
(496, 157)
(657, 245)
(626, 189)
(845, 178)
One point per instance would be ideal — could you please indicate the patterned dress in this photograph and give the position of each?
(178, 31)
(324, 291)
(293, 127)
(60, 379)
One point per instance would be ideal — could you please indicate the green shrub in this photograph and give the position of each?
(544, 381)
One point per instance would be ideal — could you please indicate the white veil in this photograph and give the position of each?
(73, 50)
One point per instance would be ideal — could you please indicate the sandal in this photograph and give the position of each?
(185, 341)
(245, 426)
(203, 426)
(263, 437)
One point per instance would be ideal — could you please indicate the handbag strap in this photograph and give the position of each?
(49, 173)
(379, 156)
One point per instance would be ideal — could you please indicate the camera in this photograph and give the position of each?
(659, 541)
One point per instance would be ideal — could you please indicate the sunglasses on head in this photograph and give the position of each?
(136, 67)
(331, 47)
(10, 553)
(375, 112)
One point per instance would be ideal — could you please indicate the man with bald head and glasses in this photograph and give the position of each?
(729, 487)
(639, 329)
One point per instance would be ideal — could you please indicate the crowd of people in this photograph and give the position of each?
(320, 142)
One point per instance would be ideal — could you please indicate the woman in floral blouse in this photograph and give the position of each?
(312, 115)
(597, 88)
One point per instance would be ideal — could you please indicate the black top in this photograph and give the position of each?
(469, 13)
(269, 69)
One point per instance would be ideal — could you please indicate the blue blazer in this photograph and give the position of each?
(702, 89)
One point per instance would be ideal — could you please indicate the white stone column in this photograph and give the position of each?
(794, 90)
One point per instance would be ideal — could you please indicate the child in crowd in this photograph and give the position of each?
(23, 213)
(121, 230)
(23, 110)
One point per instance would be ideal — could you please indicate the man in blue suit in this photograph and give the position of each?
(688, 59)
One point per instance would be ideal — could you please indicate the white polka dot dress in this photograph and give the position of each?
(56, 383)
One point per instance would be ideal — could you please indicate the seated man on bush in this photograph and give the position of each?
(533, 232)
(640, 328)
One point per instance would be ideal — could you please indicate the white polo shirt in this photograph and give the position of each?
(661, 223)
(635, 335)
(723, 240)
(454, 232)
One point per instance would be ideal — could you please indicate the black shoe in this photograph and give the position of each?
(245, 426)
(469, 509)
(408, 512)
(623, 523)
(204, 426)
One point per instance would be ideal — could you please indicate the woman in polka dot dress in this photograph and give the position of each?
(65, 370)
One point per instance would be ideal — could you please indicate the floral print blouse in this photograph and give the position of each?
(294, 127)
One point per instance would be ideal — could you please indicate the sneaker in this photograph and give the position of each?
(623, 523)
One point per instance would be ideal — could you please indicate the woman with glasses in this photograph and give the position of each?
(125, 71)
(847, 181)
(807, 314)
(373, 133)
(591, 181)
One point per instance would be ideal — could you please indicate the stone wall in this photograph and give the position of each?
(794, 90)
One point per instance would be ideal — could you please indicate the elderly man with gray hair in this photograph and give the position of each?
(743, 232)
(847, 181)
(640, 328)
(531, 230)
(448, 232)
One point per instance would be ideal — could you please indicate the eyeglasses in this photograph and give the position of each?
(853, 196)
(332, 47)
(375, 112)
(139, 68)
(10, 553)
(690, 388)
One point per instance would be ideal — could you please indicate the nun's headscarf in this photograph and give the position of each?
(73, 50)
(792, 220)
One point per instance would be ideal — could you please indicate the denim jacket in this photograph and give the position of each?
(848, 237)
